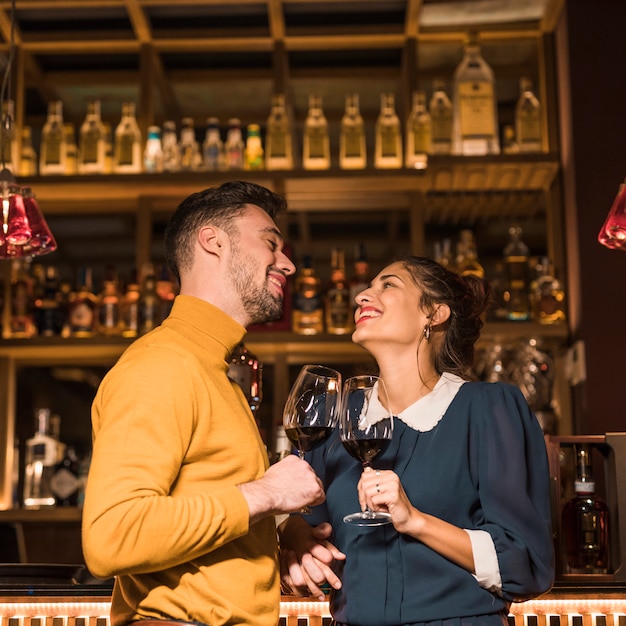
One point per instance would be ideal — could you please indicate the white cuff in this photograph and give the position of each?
(485, 561)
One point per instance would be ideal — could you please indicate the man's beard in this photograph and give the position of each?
(259, 303)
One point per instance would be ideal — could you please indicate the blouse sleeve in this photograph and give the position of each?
(510, 465)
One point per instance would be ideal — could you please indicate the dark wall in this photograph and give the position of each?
(596, 55)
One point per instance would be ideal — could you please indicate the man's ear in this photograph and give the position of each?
(212, 239)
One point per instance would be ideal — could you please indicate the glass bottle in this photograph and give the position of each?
(65, 482)
(52, 152)
(467, 257)
(475, 112)
(547, 295)
(28, 156)
(245, 369)
(48, 313)
(254, 157)
(127, 157)
(71, 150)
(10, 158)
(441, 115)
(171, 149)
(307, 314)
(516, 269)
(352, 147)
(213, 146)
(83, 306)
(338, 308)
(40, 457)
(234, 145)
(21, 320)
(190, 156)
(109, 306)
(129, 308)
(585, 522)
(153, 153)
(528, 118)
(316, 142)
(388, 151)
(418, 134)
(91, 142)
(360, 278)
(149, 309)
(278, 139)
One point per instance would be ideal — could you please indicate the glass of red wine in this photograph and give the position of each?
(311, 411)
(365, 428)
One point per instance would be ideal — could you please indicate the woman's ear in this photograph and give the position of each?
(440, 315)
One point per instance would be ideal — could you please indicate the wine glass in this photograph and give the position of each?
(365, 428)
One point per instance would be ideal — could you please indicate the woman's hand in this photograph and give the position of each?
(307, 557)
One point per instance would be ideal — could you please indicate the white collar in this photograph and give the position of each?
(426, 412)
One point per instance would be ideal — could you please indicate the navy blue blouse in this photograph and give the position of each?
(483, 466)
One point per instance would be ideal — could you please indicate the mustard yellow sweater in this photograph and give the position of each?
(172, 439)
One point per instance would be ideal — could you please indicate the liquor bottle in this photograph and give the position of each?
(467, 257)
(547, 295)
(337, 307)
(278, 139)
(190, 156)
(234, 146)
(48, 314)
(360, 278)
(149, 304)
(153, 154)
(352, 147)
(52, 150)
(109, 306)
(254, 157)
(40, 457)
(418, 134)
(528, 118)
(247, 371)
(21, 321)
(91, 142)
(28, 156)
(388, 151)
(71, 150)
(516, 268)
(441, 115)
(165, 290)
(83, 308)
(475, 113)
(585, 522)
(171, 149)
(213, 146)
(129, 307)
(316, 142)
(509, 143)
(307, 310)
(127, 156)
(8, 153)
(65, 482)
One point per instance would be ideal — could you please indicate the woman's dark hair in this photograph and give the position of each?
(219, 206)
(466, 296)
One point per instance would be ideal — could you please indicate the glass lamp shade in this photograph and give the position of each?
(613, 232)
(42, 240)
(15, 224)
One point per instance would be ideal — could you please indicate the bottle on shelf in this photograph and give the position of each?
(516, 255)
(585, 522)
(418, 144)
(278, 138)
(28, 156)
(129, 308)
(352, 146)
(360, 278)
(245, 369)
(171, 149)
(190, 155)
(467, 256)
(153, 153)
(234, 145)
(149, 304)
(509, 142)
(213, 146)
(308, 308)
(109, 305)
(48, 312)
(52, 153)
(127, 156)
(441, 115)
(475, 120)
(388, 144)
(8, 143)
(92, 141)
(21, 319)
(83, 306)
(528, 118)
(254, 156)
(65, 482)
(316, 141)
(71, 150)
(547, 295)
(40, 458)
(338, 308)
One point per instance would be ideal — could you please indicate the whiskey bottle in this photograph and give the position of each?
(418, 134)
(127, 156)
(109, 306)
(254, 157)
(53, 150)
(516, 268)
(234, 145)
(40, 458)
(475, 113)
(308, 309)
(28, 156)
(441, 115)
(338, 308)
(91, 142)
(213, 146)
(83, 306)
(171, 149)
(585, 522)
(153, 154)
(467, 257)
(547, 296)
(278, 139)
(71, 150)
(388, 149)
(190, 156)
(65, 482)
(360, 278)
(316, 142)
(48, 313)
(352, 148)
(528, 118)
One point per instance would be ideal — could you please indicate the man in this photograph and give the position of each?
(180, 501)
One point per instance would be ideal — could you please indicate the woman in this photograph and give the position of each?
(465, 478)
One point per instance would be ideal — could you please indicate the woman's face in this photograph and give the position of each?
(389, 309)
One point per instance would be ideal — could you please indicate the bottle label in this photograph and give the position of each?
(389, 142)
(277, 144)
(125, 151)
(353, 145)
(317, 144)
(64, 483)
(476, 108)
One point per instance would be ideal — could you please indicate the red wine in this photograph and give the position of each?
(365, 450)
(306, 438)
